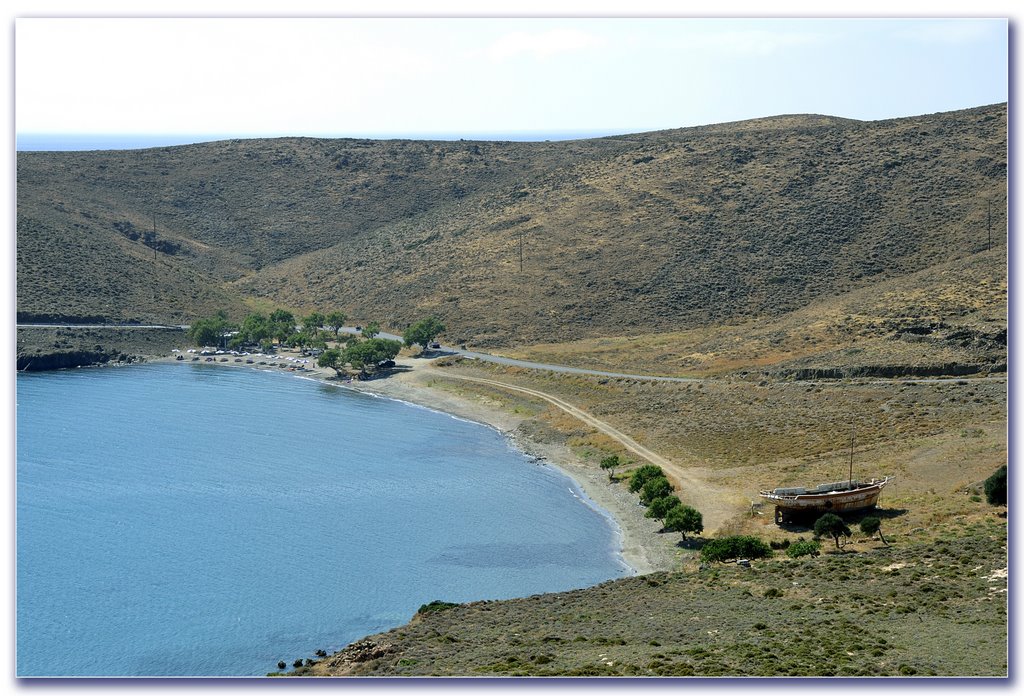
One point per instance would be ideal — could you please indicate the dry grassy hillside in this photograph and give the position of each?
(660, 231)
(685, 229)
(948, 318)
(197, 216)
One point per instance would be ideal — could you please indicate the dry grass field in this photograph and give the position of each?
(917, 608)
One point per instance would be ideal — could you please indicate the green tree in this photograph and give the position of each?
(254, 328)
(659, 507)
(683, 519)
(300, 340)
(871, 526)
(334, 321)
(311, 324)
(995, 487)
(423, 332)
(282, 325)
(210, 331)
(610, 464)
(831, 524)
(370, 352)
(657, 487)
(371, 330)
(334, 359)
(642, 475)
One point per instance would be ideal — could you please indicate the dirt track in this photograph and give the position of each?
(716, 505)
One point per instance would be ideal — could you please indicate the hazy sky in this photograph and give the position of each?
(462, 76)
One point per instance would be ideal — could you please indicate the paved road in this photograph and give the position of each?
(487, 357)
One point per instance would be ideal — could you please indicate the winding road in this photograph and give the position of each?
(716, 504)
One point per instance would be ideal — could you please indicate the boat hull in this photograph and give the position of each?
(792, 505)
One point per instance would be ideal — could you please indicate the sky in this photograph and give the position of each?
(430, 76)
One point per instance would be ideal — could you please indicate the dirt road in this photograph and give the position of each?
(716, 504)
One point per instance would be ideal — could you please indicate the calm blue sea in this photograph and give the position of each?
(202, 520)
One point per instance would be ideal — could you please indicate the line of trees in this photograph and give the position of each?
(656, 493)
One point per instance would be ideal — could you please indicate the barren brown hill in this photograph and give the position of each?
(662, 231)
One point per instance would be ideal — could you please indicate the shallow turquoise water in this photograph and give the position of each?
(201, 520)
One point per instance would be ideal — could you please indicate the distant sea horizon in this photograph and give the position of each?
(66, 142)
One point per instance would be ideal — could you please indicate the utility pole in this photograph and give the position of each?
(990, 224)
(853, 440)
(520, 251)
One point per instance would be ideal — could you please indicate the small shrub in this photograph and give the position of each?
(732, 547)
(435, 606)
(773, 592)
(872, 526)
(995, 487)
(803, 548)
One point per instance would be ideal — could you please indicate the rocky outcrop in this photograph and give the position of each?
(342, 663)
(59, 360)
(887, 371)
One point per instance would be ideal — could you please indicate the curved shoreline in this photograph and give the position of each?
(641, 548)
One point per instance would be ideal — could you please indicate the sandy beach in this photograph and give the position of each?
(642, 547)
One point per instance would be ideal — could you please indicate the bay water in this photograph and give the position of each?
(199, 520)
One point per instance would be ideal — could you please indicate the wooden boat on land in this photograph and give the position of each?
(838, 497)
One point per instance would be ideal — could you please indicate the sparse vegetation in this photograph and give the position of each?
(838, 615)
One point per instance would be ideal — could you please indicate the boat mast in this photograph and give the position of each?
(853, 439)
